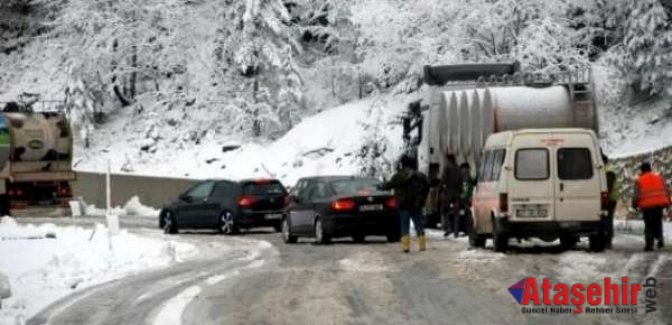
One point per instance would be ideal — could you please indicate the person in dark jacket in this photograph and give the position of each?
(451, 190)
(651, 196)
(410, 190)
(468, 184)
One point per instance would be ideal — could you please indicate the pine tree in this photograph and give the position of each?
(647, 48)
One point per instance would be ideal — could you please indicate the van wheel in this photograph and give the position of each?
(568, 241)
(475, 239)
(500, 240)
(597, 243)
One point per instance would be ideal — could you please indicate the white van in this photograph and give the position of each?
(545, 183)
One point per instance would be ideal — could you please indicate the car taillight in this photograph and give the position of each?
(604, 200)
(343, 205)
(503, 203)
(391, 203)
(246, 201)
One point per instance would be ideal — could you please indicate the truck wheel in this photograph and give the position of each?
(500, 239)
(598, 242)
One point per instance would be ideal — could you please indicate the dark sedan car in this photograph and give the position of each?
(227, 206)
(339, 206)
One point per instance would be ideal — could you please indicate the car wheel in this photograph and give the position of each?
(320, 236)
(359, 238)
(475, 239)
(227, 223)
(169, 223)
(286, 233)
(500, 240)
(393, 237)
(278, 227)
(598, 242)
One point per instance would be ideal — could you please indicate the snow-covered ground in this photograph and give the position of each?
(46, 262)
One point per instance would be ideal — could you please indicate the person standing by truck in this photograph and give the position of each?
(468, 184)
(410, 190)
(451, 190)
(651, 196)
(614, 191)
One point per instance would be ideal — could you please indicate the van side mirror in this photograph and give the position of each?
(291, 199)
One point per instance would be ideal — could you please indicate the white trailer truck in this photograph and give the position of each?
(466, 107)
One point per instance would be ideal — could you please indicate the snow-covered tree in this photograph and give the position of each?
(371, 156)
(647, 47)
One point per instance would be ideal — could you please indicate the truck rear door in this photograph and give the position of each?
(531, 185)
(578, 181)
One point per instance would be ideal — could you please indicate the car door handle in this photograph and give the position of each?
(562, 187)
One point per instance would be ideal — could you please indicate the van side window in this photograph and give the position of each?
(485, 163)
(574, 164)
(498, 161)
(532, 164)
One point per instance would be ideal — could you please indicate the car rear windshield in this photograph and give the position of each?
(532, 164)
(261, 189)
(574, 164)
(355, 186)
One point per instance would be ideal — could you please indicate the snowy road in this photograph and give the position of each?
(347, 283)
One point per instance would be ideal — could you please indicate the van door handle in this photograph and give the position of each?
(562, 187)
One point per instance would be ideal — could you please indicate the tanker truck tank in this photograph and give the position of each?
(37, 161)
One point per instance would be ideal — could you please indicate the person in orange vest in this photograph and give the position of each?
(651, 197)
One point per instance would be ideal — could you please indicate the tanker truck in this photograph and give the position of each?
(35, 161)
(509, 124)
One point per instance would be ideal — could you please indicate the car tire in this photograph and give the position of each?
(278, 227)
(475, 239)
(393, 237)
(359, 238)
(320, 236)
(597, 242)
(227, 223)
(500, 239)
(287, 236)
(169, 223)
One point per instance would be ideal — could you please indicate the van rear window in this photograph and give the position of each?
(532, 164)
(574, 164)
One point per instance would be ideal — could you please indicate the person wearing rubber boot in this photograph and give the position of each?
(410, 189)
(651, 197)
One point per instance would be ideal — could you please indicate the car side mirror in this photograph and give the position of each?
(185, 197)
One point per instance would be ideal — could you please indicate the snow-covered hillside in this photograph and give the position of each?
(327, 143)
(161, 86)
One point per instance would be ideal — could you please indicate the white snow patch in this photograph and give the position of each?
(42, 270)
(636, 227)
(171, 312)
(132, 208)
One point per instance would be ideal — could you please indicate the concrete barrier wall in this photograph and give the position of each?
(152, 191)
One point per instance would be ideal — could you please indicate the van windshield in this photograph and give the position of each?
(532, 164)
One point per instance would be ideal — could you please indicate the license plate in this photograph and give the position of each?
(273, 216)
(531, 213)
(371, 207)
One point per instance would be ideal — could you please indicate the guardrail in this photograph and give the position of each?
(152, 191)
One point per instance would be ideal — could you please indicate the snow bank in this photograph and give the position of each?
(5, 288)
(43, 269)
(132, 208)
